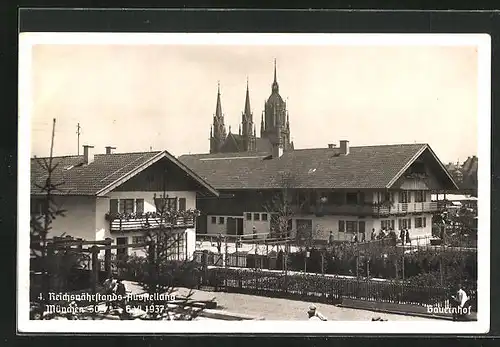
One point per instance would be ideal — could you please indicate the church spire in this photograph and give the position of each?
(218, 107)
(275, 86)
(247, 102)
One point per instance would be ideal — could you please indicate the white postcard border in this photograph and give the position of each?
(25, 325)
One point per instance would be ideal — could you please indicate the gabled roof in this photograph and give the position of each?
(104, 174)
(365, 167)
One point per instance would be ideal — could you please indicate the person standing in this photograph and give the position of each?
(219, 243)
(408, 240)
(331, 238)
(459, 300)
(402, 236)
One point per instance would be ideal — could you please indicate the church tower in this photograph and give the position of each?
(276, 125)
(247, 126)
(218, 129)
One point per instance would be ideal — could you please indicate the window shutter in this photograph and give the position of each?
(392, 224)
(121, 205)
(424, 221)
(113, 206)
(409, 223)
(409, 194)
(341, 226)
(139, 205)
(182, 204)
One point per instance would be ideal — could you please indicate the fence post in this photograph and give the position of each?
(107, 257)
(204, 262)
(151, 262)
(94, 277)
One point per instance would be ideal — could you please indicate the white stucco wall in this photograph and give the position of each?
(79, 219)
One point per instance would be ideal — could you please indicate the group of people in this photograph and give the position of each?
(404, 235)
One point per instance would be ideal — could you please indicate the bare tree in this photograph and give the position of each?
(281, 208)
(167, 269)
(41, 225)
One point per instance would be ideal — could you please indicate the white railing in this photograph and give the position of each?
(409, 207)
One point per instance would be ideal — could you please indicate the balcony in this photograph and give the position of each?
(330, 209)
(369, 209)
(410, 207)
(150, 221)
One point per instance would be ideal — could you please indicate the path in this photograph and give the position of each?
(281, 309)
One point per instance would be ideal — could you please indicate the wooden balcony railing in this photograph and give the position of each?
(370, 209)
(137, 224)
(410, 207)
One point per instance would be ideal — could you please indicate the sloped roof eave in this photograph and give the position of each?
(148, 163)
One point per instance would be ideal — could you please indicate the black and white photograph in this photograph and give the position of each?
(253, 183)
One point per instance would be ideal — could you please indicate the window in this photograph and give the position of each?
(221, 220)
(351, 226)
(264, 217)
(214, 220)
(341, 226)
(127, 205)
(420, 196)
(387, 224)
(404, 197)
(249, 216)
(139, 239)
(351, 198)
(304, 228)
(166, 204)
(256, 216)
(139, 205)
(420, 222)
(404, 223)
(182, 204)
(387, 197)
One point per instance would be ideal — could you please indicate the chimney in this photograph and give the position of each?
(344, 147)
(109, 149)
(331, 145)
(88, 155)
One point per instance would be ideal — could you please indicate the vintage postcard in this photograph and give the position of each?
(254, 183)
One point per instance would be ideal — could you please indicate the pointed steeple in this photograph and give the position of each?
(247, 102)
(275, 86)
(218, 107)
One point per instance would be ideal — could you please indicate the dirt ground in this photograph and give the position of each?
(282, 309)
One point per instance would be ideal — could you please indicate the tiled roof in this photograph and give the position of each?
(363, 168)
(104, 171)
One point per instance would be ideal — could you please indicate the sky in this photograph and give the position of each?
(138, 98)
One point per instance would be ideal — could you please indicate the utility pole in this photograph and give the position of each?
(78, 136)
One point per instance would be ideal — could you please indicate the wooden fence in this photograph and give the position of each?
(326, 289)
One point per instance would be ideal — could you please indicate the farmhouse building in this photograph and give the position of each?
(116, 195)
(344, 190)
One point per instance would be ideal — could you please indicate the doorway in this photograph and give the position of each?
(121, 252)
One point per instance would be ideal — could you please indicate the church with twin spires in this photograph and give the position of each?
(274, 126)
